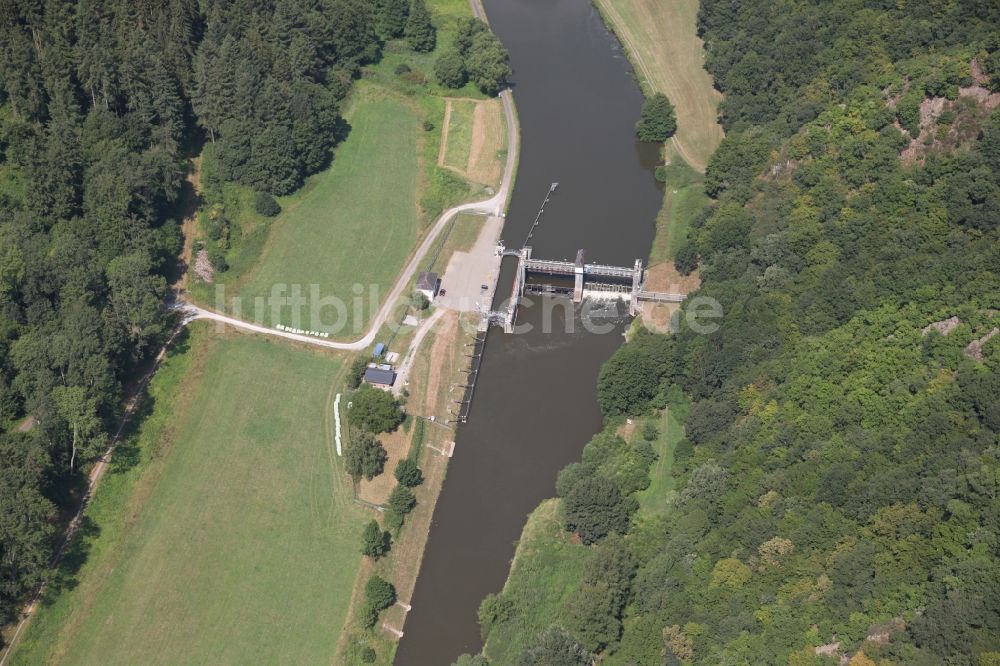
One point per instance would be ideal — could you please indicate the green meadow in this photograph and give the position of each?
(225, 532)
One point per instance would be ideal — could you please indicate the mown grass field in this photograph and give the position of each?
(459, 142)
(226, 532)
(358, 222)
(473, 141)
(664, 47)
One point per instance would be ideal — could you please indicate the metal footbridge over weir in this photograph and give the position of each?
(593, 281)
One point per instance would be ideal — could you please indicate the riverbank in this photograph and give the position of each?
(662, 43)
(440, 370)
(550, 566)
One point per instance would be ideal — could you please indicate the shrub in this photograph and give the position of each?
(368, 616)
(554, 647)
(415, 77)
(218, 228)
(218, 259)
(393, 520)
(471, 660)
(266, 205)
(402, 68)
(368, 655)
(493, 609)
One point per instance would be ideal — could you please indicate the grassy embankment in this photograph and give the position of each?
(471, 145)
(225, 530)
(441, 365)
(662, 43)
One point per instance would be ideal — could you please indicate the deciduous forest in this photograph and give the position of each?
(836, 494)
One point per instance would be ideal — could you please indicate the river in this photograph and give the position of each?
(535, 403)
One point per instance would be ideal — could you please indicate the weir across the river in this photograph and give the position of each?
(576, 279)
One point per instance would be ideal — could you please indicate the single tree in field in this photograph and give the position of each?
(379, 595)
(408, 474)
(375, 541)
(364, 457)
(657, 123)
(374, 410)
(401, 502)
(420, 32)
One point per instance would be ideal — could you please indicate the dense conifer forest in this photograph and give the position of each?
(837, 491)
(102, 102)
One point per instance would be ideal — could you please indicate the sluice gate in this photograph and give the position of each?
(576, 279)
